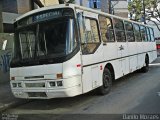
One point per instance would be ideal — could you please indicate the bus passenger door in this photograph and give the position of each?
(91, 51)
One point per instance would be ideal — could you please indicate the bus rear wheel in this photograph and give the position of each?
(107, 82)
(146, 67)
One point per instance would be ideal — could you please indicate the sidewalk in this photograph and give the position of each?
(7, 99)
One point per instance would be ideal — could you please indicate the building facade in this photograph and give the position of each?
(117, 7)
(11, 9)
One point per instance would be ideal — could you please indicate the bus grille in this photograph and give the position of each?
(29, 85)
(37, 94)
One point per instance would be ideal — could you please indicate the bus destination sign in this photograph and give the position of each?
(47, 15)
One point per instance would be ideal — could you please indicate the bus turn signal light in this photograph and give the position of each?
(12, 78)
(78, 65)
(59, 76)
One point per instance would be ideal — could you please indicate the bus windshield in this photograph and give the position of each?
(49, 39)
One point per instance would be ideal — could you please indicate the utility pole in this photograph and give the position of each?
(109, 6)
(144, 13)
(1, 19)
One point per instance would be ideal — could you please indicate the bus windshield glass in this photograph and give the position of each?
(44, 40)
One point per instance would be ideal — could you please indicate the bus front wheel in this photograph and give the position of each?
(107, 82)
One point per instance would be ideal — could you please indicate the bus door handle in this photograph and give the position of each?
(121, 48)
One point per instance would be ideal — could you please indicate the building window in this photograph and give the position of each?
(95, 4)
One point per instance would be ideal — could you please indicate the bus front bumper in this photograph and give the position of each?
(47, 94)
(46, 89)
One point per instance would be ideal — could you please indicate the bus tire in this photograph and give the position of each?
(107, 82)
(146, 67)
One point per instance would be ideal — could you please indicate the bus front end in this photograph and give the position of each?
(47, 60)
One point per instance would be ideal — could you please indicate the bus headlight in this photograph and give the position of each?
(14, 85)
(52, 84)
(19, 85)
(59, 83)
(60, 76)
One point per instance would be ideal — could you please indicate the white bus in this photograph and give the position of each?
(68, 50)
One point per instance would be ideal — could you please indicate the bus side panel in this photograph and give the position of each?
(110, 51)
(154, 51)
(140, 55)
(117, 68)
(133, 61)
(92, 74)
(73, 69)
(111, 55)
(141, 60)
(92, 77)
(152, 56)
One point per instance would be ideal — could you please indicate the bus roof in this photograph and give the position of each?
(74, 6)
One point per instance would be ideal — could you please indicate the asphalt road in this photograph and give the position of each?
(137, 94)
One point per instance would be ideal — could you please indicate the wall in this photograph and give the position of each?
(23, 6)
(49, 2)
(5, 56)
(9, 6)
(121, 8)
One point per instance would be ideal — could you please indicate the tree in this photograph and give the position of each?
(141, 10)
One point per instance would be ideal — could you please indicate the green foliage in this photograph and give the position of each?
(136, 7)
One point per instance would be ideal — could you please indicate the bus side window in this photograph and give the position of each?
(137, 32)
(106, 29)
(91, 34)
(119, 30)
(143, 33)
(129, 31)
(151, 34)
